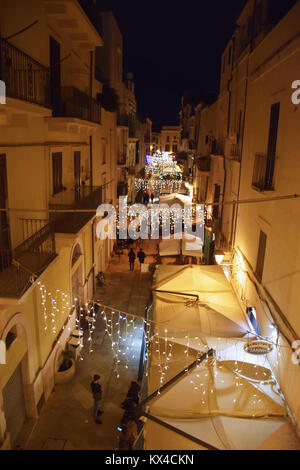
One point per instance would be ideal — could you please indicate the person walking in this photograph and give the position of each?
(152, 198)
(131, 256)
(133, 392)
(97, 391)
(141, 256)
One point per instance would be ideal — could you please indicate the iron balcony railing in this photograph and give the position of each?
(77, 104)
(19, 267)
(87, 197)
(24, 77)
(235, 152)
(263, 172)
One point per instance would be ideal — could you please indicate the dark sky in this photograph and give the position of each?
(171, 46)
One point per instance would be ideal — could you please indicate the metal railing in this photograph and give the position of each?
(30, 257)
(235, 151)
(31, 226)
(263, 172)
(24, 77)
(42, 241)
(75, 103)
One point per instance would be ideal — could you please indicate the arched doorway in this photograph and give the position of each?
(17, 402)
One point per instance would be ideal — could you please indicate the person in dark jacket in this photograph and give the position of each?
(141, 256)
(131, 256)
(133, 392)
(97, 391)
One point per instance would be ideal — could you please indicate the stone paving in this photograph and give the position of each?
(66, 421)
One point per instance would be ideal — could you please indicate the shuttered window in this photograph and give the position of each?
(57, 172)
(272, 144)
(261, 255)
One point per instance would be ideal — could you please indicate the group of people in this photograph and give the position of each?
(128, 426)
(127, 430)
(132, 256)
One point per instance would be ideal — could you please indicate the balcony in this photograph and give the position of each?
(263, 172)
(32, 256)
(77, 104)
(203, 164)
(235, 152)
(86, 198)
(25, 78)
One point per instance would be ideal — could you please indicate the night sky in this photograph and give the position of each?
(172, 46)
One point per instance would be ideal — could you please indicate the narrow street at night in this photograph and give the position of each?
(149, 230)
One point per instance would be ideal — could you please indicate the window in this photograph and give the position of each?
(261, 255)
(264, 165)
(217, 200)
(57, 172)
(174, 148)
(167, 148)
(77, 169)
(175, 138)
(168, 138)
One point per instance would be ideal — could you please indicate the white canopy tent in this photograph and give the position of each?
(230, 400)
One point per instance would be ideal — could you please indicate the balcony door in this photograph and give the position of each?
(55, 75)
(77, 169)
(5, 248)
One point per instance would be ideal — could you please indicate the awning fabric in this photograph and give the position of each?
(228, 401)
(211, 309)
